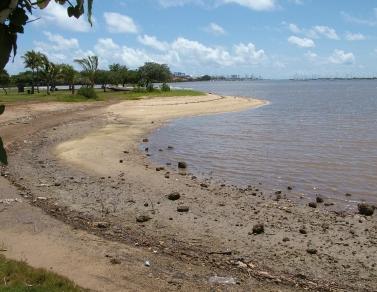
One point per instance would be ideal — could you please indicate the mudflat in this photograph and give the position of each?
(85, 167)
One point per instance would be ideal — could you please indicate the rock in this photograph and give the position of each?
(278, 193)
(174, 196)
(145, 140)
(258, 228)
(115, 261)
(42, 198)
(319, 199)
(147, 264)
(222, 280)
(285, 239)
(183, 209)
(182, 165)
(312, 205)
(366, 209)
(121, 161)
(303, 231)
(101, 224)
(348, 195)
(167, 175)
(170, 147)
(277, 198)
(329, 204)
(203, 185)
(289, 188)
(57, 184)
(312, 251)
(142, 218)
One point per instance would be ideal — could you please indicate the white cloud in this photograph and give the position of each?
(301, 42)
(55, 14)
(215, 29)
(311, 56)
(363, 21)
(342, 58)
(119, 23)
(182, 53)
(294, 28)
(258, 5)
(355, 36)
(61, 43)
(320, 30)
(153, 42)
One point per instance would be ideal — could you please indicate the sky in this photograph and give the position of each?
(268, 38)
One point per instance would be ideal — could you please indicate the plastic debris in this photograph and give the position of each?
(147, 264)
(222, 280)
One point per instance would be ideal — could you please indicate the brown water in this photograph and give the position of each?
(318, 136)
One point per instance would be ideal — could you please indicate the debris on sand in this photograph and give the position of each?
(183, 209)
(258, 228)
(142, 218)
(366, 209)
(222, 280)
(174, 196)
(182, 165)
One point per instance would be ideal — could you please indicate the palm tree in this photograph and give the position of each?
(69, 75)
(90, 67)
(33, 60)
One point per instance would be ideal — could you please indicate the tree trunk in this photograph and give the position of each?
(32, 82)
(38, 81)
(73, 88)
(48, 88)
(6, 92)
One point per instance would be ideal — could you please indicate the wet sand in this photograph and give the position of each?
(90, 173)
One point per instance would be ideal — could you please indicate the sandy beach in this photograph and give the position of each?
(86, 167)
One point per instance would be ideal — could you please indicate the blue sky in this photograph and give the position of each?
(271, 38)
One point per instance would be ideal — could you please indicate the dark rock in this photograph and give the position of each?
(142, 218)
(146, 149)
(312, 205)
(146, 204)
(289, 188)
(329, 204)
(182, 165)
(183, 209)
(312, 251)
(115, 261)
(366, 209)
(126, 152)
(203, 185)
(258, 228)
(319, 199)
(174, 196)
(57, 184)
(170, 147)
(285, 239)
(160, 150)
(167, 175)
(102, 225)
(145, 140)
(121, 161)
(277, 197)
(278, 193)
(303, 231)
(348, 195)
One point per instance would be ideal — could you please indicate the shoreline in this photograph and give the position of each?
(146, 116)
(300, 248)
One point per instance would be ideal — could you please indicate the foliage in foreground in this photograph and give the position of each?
(18, 276)
(87, 92)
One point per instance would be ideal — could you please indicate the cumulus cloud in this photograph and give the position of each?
(341, 58)
(311, 56)
(355, 36)
(181, 53)
(301, 42)
(258, 5)
(55, 14)
(215, 29)
(294, 28)
(153, 42)
(119, 23)
(321, 30)
(371, 21)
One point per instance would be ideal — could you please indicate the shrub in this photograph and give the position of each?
(165, 87)
(87, 92)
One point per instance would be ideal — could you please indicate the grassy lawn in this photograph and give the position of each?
(66, 96)
(18, 276)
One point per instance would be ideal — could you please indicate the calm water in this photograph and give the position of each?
(319, 136)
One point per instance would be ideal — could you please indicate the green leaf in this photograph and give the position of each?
(18, 17)
(90, 11)
(2, 109)
(6, 46)
(3, 153)
(70, 11)
(43, 4)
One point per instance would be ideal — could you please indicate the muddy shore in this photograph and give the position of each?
(84, 167)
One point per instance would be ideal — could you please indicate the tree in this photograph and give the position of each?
(90, 68)
(153, 72)
(34, 61)
(69, 76)
(119, 74)
(4, 80)
(103, 77)
(50, 72)
(14, 16)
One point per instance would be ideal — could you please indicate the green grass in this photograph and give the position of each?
(18, 277)
(66, 96)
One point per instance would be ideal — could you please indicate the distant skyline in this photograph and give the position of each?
(271, 38)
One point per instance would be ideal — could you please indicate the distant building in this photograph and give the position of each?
(180, 76)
